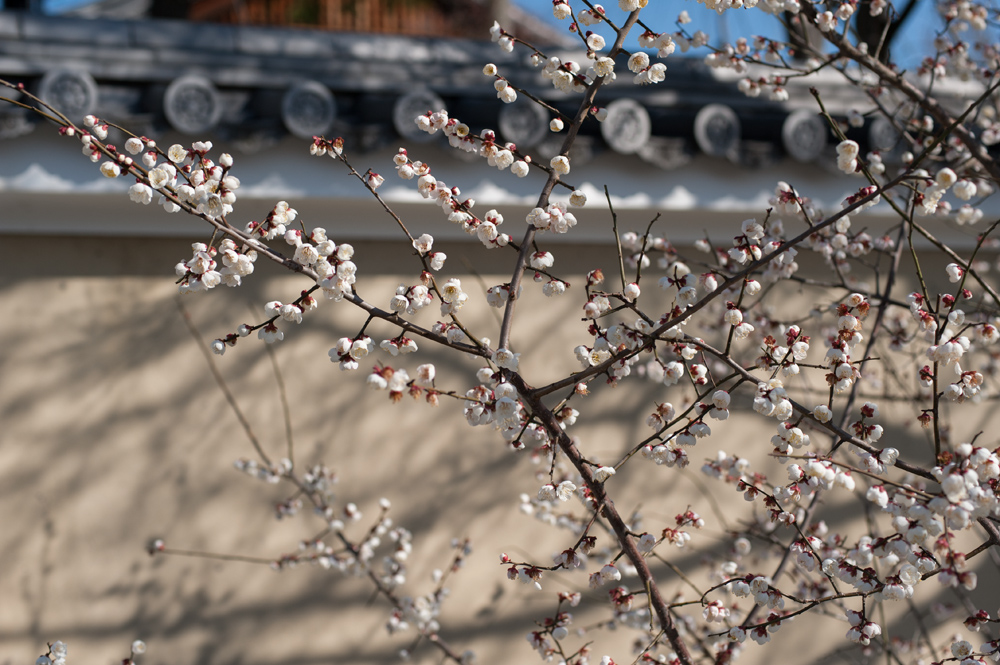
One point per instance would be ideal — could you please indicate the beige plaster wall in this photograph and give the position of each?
(113, 432)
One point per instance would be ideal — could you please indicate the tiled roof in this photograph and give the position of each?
(249, 82)
(692, 151)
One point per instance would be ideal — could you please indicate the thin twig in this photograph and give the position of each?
(223, 386)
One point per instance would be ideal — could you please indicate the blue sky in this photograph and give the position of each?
(910, 47)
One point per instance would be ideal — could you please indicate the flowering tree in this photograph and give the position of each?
(708, 337)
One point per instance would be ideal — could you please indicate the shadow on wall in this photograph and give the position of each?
(114, 432)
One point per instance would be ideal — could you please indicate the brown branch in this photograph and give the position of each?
(610, 513)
